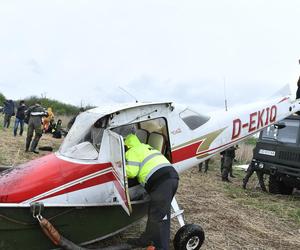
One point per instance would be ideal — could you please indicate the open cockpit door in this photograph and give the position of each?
(117, 159)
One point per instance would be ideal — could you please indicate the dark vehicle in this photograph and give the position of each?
(277, 153)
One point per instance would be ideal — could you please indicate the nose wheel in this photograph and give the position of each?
(189, 236)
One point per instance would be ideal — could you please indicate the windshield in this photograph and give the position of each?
(288, 134)
(84, 138)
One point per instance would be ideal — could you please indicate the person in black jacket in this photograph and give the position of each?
(20, 116)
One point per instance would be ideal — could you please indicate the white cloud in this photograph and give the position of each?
(81, 51)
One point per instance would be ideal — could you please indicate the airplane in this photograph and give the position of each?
(82, 189)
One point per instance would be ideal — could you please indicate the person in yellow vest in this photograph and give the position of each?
(160, 179)
(48, 119)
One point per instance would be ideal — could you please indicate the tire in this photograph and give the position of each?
(284, 189)
(274, 185)
(189, 237)
(279, 187)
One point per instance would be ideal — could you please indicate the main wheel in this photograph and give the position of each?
(279, 187)
(189, 237)
(274, 185)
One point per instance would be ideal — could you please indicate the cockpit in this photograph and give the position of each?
(85, 138)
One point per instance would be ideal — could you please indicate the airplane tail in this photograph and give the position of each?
(284, 91)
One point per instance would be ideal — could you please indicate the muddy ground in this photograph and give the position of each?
(227, 223)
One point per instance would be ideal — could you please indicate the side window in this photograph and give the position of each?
(192, 119)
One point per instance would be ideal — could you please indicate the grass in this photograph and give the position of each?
(12, 148)
(286, 207)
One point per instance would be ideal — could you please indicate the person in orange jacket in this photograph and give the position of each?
(48, 119)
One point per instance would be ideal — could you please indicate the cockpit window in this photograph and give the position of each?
(84, 138)
(192, 119)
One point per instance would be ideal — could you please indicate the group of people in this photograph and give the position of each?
(227, 159)
(38, 119)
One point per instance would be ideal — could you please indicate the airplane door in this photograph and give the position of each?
(117, 159)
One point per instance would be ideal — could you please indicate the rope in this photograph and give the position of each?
(33, 223)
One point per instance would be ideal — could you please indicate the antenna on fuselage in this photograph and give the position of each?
(136, 100)
(225, 98)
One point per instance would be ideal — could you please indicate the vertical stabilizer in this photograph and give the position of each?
(284, 91)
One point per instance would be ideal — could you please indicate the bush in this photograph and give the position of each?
(2, 99)
(58, 108)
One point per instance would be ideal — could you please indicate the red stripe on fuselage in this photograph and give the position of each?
(107, 177)
(187, 152)
(41, 175)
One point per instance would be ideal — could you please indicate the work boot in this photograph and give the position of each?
(244, 185)
(226, 180)
(33, 147)
(27, 146)
(264, 189)
(142, 241)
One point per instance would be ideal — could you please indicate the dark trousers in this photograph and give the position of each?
(159, 213)
(259, 174)
(6, 122)
(205, 166)
(34, 125)
(17, 122)
(227, 165)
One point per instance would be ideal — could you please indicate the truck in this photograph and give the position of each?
(277, 154)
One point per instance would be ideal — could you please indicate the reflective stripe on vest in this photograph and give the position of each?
(148, 158)
(133, 163)
(141, 164)
(37, 113)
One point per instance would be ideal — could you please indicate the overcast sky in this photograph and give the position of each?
(82, 51)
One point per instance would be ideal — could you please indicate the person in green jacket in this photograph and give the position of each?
(35, 113)
(160, 179)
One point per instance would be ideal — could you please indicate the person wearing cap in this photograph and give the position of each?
(160, 179)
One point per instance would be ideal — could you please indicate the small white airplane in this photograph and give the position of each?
(83, 189)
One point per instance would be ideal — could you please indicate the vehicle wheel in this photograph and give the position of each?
(279, 187)
(189, 237)
(284, 189)
(274, 185)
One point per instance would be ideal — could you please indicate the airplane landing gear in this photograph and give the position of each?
(189, 236)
